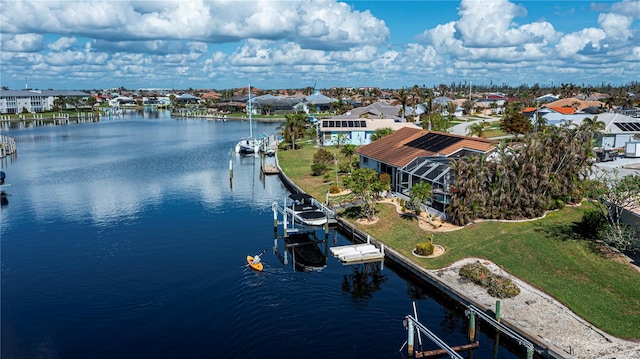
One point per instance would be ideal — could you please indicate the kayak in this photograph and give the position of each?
(257, 266)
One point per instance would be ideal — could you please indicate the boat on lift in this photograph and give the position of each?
(305, 210)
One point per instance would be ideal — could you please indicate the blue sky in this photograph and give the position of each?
(289, 44)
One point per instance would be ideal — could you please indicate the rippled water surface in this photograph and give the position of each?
(125, 239)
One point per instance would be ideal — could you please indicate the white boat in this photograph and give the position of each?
(249, 144)
(303, 210)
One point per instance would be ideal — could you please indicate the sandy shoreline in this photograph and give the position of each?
(542, 317)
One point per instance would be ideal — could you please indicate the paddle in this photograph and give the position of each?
(256, 256)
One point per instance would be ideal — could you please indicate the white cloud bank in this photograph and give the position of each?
(276, 44)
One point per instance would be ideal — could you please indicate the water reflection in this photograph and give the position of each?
(365, 279)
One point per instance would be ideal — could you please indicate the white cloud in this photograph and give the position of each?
(290, 41)
(490, 24)
(62, 43)
(22, 42)
(312, 24)
(572, 44)
(616, 27)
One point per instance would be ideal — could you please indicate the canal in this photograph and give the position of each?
(125, 239)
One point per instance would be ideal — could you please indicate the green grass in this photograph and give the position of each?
(297, 165)
(546, 253)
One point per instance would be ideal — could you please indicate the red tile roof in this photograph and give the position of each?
(564, 110)
(393, 149)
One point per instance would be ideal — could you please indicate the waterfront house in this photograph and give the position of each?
(320, 102)
(360, 123)
(16, 101)
(412, 155)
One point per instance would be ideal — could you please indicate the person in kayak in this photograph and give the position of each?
(256, 259)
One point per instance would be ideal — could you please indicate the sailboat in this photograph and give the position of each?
(249, 144)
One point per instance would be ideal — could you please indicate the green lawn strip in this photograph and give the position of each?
(545, 253)
(493, 133)
(297, 165)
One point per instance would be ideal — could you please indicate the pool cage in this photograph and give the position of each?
(435, 170)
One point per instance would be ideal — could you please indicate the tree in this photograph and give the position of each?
(92, 101)
(523, 181)
(366, 186)
(476, 129)
(467, 106)
(293, 128)
(403, 97)
(612, 194)
(341, 139)
(593, 126)
(321, 161)
(381, 132)
(514, 121)
(418, 194)
(434, 121)
(349, 150)
(59, 103)
(451, 108)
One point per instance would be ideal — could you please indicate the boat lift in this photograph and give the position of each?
(412, 324)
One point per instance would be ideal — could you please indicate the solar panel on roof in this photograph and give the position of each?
(628, 126)
(434, 142)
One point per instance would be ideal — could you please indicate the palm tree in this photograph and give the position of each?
(593, 127)
(467, 106)
(293, 127)
(403, 97)
(451, 108)
(60, 102)
(381, 132)
(349, 150)
(419, 193)
(476, 129)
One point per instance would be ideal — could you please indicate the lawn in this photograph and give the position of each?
(546, 253)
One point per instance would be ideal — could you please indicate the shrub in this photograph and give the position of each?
(501, 287)
(424, 248)
(318, 169)
(385, 179)
(497, 285)
(334, 189)
(323, 156)
(475, 272)
(592, 222)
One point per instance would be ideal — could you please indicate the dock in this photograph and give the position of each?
(358, 253)
(270, 169)
(7, 146)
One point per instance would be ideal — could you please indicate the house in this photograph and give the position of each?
(618, 128)
(187, 98)
(268, 104)
(15, 101)
(360, 123)
(412, 155)
(547, 98)
(577, 104)
(321, 102)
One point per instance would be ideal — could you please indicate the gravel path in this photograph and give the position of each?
(543, 317)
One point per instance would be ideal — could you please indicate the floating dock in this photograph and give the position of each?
(270, 169)
(357, 253)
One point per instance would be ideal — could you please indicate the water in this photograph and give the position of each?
(125, 239)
